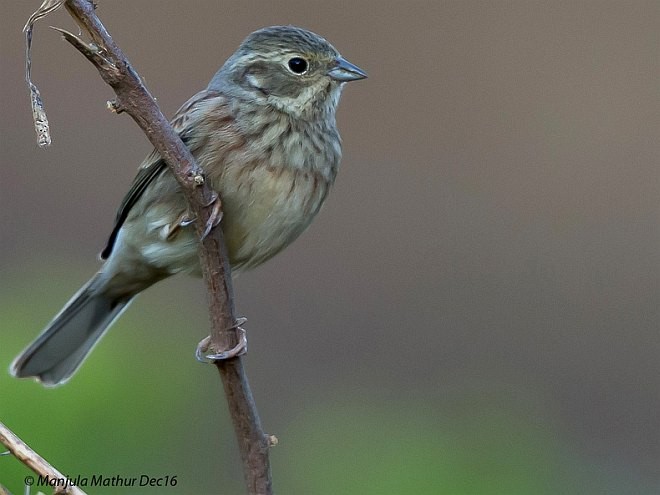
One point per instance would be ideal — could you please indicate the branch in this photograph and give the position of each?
(134, 99)
(34, 461)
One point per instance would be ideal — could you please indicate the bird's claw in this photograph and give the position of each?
(171, 230)
(216, 214)
(185, 221)
(238, 350)
(214, 197)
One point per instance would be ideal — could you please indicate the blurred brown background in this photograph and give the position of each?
(486, 270)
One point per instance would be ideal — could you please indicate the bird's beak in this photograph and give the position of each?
(344, 71)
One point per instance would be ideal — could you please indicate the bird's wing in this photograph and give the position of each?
(154, 165)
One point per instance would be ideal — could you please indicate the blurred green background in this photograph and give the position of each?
(475, 311)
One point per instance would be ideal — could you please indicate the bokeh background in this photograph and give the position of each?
(475, 311)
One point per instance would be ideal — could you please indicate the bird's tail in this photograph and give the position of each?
(61, 348)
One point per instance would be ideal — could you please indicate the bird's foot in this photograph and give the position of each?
(216, 213)
(238, 350)
(171, 230)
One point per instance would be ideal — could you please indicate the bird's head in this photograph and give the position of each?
(292, 69)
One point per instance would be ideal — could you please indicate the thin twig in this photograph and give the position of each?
(34, 461)
(134, 99)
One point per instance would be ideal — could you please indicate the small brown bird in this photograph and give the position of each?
(264, 132)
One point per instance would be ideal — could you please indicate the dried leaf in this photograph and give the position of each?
(38, 112)
(39, 117)
(46, 8)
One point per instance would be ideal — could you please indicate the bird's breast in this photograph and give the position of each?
(272, 184)
(266, 207)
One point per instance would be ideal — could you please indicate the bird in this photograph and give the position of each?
(264, 133)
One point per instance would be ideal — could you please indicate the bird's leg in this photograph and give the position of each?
(238, 350)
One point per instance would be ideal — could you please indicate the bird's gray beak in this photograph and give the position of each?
(344, 71)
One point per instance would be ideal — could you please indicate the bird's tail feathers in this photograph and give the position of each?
(60, 349)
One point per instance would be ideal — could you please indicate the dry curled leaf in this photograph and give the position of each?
(46, 8)
(38, 112)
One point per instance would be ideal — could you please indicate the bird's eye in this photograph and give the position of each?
(298, 65)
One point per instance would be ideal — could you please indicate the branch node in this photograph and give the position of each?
(115, 107)
(93, 52)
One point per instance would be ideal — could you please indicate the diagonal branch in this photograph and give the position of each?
(34, 461)
(134, 99)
